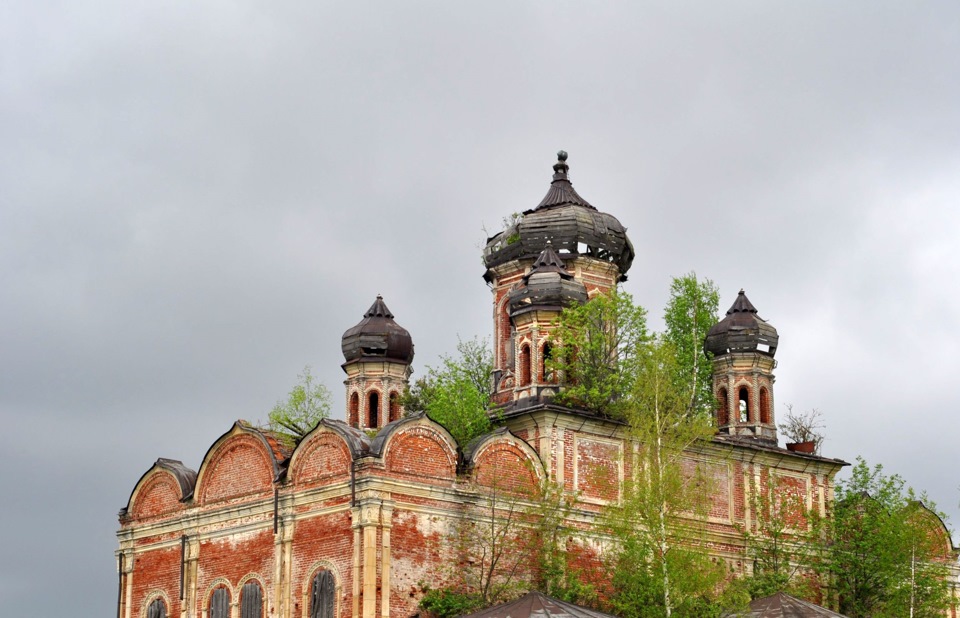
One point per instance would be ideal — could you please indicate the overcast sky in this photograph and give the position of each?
(197, 199)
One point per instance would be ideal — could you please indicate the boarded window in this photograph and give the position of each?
(251, 600)
(220, 603)
(322, 595)
(157, 609)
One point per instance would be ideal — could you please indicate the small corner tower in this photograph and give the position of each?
(378, 353)
(559, 253)
(743, 346)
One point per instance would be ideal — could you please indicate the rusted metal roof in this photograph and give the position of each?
(537, 605)
(782, 605)
(742, 330)
(377, 337)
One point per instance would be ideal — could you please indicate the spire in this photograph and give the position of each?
(549, 261)
(561, 191)
(378, 309)
(741, 305)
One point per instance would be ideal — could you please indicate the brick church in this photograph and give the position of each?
(347, 524)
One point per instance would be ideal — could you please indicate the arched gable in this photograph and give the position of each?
(161, 490)
(242, 461)
(941, 542)
(502, 460)
(325, 454)
(417, 446)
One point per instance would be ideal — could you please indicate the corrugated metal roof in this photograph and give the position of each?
(537, 605)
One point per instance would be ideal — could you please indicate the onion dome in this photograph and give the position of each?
(548, 286)
(566, 220)
(742, 331)
(377, 337)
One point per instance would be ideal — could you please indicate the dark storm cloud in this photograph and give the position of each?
(197, 200)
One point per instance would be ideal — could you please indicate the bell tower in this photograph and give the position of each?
(561, 252)
(743, 345)
(378, 353)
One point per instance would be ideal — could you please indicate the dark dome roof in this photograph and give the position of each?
(567, 221)
(377, 337)
(742, 331)
(548, 285)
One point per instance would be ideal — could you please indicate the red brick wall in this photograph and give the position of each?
(158, 495)
(240, 466)
(322, 459)
(422, 452)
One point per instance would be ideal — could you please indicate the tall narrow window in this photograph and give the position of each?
(764, 406)
(723, 411)
(322, 595)
(546, 358)
(251, 600)
(394, 406)
(744, 397)
(219, 603)
(157, 609)
(525, 365)
(373, 410)
(354, 410)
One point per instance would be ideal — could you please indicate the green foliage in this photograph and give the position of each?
(659, 566)
(457, 394)
(597, 351)
(448, 603)
(781, 545)
(550, 513)
(307, 403)
(689, 314)
(880, 549)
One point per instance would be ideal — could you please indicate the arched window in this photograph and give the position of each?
(373, 410)
(744, 397)
(394, 406)
(251, 600)
(764, 406)
(219, 603)
(546, 372)
(322, 595)
(354, 410)
(157, 609)
(723, 408)
(524, 365)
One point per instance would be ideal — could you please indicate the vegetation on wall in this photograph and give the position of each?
(457, 393)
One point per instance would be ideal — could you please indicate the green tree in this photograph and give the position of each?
(598, 344)
(457, 393)
(307, 403)
(689, 314)
(659, 566)
(880, 549)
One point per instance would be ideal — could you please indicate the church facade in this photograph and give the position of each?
(354, 521)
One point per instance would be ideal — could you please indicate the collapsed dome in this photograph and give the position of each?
(742, 331)
(566, 221)
(377, 337)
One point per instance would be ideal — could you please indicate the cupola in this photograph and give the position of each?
(742, 345)
(377, 354)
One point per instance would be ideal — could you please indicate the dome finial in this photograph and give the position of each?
(560, 167)
(562, 155)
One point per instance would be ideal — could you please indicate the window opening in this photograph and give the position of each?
(744, 404)
(394, 406)
(764, 406)
(525, 365)
(724, 408)
(373, 412)
(354, 410)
